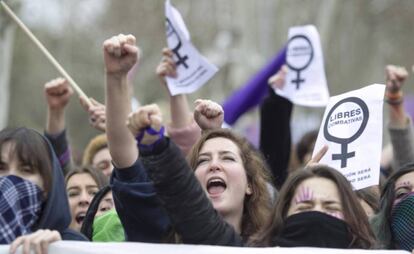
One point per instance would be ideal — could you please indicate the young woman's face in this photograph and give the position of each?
(316, 194)
(81, 188)
(10, 165)
(221, 172)
(102, 162)
(106, 204)
(403, 186)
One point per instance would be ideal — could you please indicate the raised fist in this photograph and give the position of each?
(58, 92)
(120, 54)
(145, 117)
(395, 77)
(208, 114)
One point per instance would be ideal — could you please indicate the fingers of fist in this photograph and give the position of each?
(394, 72)
(121, 45)
(146, 116)
(58, 87)
(208, 108)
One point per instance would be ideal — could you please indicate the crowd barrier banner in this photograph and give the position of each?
(74, 247)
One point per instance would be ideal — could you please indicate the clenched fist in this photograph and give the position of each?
(148, 116)
(57, 92)
(120, 54)
(208, 114)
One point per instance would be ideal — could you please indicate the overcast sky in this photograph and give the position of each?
(54, 14)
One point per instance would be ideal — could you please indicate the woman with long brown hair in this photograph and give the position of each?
(317, 207)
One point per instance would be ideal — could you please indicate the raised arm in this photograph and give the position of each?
(57, 93)
(182, 128)
(275, 135)
(400, 125)
(120, 54)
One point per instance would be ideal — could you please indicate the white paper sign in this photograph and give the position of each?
(352, 128)
(306, 80)
(193, 70)
(74, 247)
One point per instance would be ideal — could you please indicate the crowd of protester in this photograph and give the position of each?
(192, 181)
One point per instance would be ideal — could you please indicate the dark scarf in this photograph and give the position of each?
(314, 229)
(402, 223)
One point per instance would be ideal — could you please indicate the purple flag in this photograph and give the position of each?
(252, 93)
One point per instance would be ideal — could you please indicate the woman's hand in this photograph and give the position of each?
(38, 241)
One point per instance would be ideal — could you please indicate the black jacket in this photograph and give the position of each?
(191, 212)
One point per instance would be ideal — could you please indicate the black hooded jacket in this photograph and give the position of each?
(55, 212)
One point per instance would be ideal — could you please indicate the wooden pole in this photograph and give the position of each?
(46, 53)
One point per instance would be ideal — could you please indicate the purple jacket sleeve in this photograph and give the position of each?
(252, 93)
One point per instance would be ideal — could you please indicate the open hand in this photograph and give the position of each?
(278, 80)
(167, 66)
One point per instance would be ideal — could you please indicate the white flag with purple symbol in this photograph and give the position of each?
(193, 70)
(352, 129)
(305, 83)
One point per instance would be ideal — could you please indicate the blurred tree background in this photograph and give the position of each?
(358, 38)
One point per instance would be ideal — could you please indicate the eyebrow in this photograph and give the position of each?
(304, 201)
(331, 202)
(109, 200)
(78, 188)
(404, 184)
(73, 188)
(220, 153)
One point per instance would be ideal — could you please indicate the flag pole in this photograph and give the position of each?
(46, 53)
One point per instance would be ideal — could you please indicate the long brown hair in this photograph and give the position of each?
(31, 149)
(354, 214)
(382, 221)
(100, 179)
(257, 205)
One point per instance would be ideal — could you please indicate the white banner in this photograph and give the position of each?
(73, 247)
(352, 128)
(306, 80)
(193, 70)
